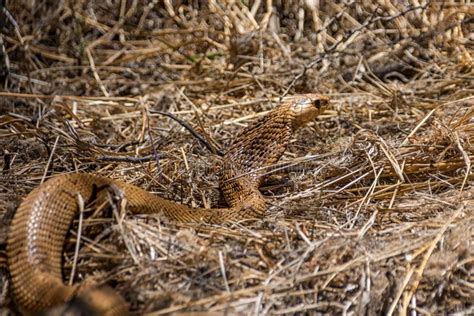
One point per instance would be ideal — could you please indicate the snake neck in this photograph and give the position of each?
(250, 158)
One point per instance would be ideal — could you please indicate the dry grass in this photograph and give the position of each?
(371, 210)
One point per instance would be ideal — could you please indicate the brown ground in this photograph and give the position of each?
(372, 210)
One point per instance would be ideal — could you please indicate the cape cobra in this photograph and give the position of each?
(41, 222)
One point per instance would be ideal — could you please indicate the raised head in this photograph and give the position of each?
(307, 107)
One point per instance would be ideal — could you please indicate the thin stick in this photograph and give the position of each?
(400, 290)
(466, 160)
(397, 186)
(418, 126)
(49, 160)
(224, 275)
(64, 97)
(96, 75)
(154, 151)
(419, 272)
(80, 206)
(126, 158)
(186, 125)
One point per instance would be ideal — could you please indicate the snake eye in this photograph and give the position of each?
(317, 103)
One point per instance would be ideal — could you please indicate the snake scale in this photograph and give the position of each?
(38, 230)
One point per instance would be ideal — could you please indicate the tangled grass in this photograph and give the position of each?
(371, 210)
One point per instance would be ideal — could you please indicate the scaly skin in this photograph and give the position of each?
(38, 230)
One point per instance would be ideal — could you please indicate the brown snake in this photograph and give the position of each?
(39, 227)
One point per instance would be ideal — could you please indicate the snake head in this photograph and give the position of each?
(307, 107)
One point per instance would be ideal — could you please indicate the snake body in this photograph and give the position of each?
(41, 222)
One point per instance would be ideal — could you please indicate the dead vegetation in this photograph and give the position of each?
(371, 211)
